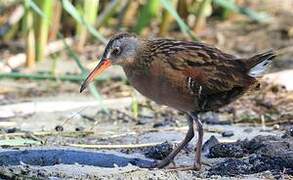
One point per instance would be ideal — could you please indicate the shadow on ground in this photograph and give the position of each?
(65, 156)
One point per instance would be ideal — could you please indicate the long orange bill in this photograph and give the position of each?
(104, 64)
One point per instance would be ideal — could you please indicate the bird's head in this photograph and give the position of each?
(120, 50)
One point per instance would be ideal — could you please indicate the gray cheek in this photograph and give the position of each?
(108, 55)
(129, 53)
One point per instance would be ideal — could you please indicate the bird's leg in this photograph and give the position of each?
(197, 163)
(188, 137)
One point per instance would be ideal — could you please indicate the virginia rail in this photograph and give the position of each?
(192, 77)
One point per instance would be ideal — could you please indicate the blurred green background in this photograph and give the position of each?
(34, 31)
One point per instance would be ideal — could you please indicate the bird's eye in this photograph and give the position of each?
(116, 51)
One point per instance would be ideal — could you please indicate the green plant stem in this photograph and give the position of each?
(201, 15)
(134, 105)
(107, 12)
(30, 36)
(182, 9)
(127, 14)
(166, 22)
(42, 27)
(75, 78)
(55, 20)
(149, 10)
(89, 12)
(183, 26)
(76, 15)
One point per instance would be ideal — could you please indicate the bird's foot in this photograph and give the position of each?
(159, 164)
(195, 167)
(163, 163)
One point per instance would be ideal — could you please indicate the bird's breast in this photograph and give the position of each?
(162, 86)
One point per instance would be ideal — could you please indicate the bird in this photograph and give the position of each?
(190, 76)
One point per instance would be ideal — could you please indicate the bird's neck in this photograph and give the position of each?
(142, 60)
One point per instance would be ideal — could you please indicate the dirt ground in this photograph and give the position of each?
(61, 154)
(50, 131)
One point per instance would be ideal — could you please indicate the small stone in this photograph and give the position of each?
(159, 151)
(227, 150)
(258, 142)
(248, 130)
(143, 121)
(230, 167)
(268, 153)
(263, 163)
(227, 134)
(276, 127)
(279, 162)
(212, 141)
(211, 120)
(11, 130)
(158, 124)
(59, 128)
(214, 120)
(271, 148)
(79, 128)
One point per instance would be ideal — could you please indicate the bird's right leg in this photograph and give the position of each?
(188, 137)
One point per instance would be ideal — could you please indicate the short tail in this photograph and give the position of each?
(258, 64)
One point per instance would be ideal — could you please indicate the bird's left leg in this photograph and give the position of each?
(196, 120)
(189, 135)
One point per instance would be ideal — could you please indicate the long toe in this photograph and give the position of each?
(197, 166)
(150, 165)
(163, 163)
(183, 168)
(158, 164)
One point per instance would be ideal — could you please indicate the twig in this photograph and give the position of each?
(120, 135)
(114, 146)
(77, 78)
(49, 133)
(66, 133)
(32, 136)
(73, 116)
(279, 122)
(184, 128)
